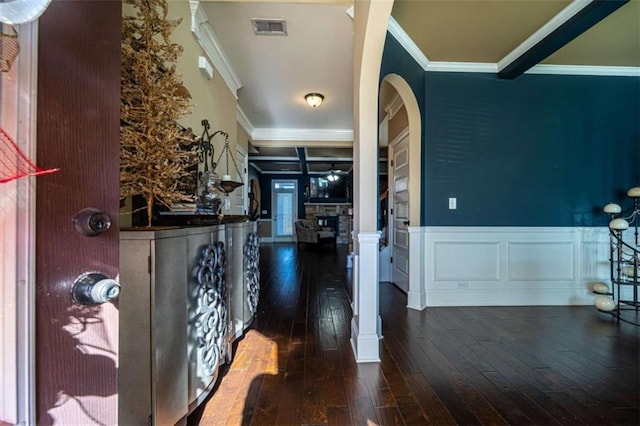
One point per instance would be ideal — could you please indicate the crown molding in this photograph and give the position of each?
(324, 159)
(351, 12)
(610, 71)
(277, 172)
(480, 67)
(462, 67)
(206, 37)
(272, 172)
(243, 120)
(405, 41)
(280, 172)
(276, 158)
(281, 134)
(298, 144)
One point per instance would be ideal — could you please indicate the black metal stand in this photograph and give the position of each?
(624, 258)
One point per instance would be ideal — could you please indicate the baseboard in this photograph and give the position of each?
(365, 347)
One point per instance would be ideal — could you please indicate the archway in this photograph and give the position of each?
(416, 296)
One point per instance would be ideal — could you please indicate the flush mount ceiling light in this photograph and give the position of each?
(314, 99)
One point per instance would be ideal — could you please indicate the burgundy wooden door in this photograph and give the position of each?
(78, 110)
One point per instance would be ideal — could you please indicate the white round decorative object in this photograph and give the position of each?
(605, 303)
(619, 224)
(612, 208)
(634, 192)
(22, 11)
(600, 288)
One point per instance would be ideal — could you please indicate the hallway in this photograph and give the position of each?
(479, 365)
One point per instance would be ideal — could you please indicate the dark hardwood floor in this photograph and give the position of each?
(441, 366)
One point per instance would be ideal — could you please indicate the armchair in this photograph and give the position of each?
(308, 232)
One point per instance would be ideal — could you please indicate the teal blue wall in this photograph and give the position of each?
(540, 150)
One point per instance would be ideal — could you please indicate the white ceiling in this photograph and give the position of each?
(277, 71)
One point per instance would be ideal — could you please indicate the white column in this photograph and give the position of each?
(417, 295)
(371, 18)
(365, 325)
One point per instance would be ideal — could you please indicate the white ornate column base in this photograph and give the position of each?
(417, 295)
(366, 347)
(366, 323)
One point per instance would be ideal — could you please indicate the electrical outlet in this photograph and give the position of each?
(453, 203)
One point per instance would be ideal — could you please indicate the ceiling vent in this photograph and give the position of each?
(269, 27)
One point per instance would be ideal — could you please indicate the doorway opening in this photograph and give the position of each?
(284, 202)
(406, 254)
(399, 204)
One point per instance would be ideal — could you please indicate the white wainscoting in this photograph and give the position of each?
(509, 266)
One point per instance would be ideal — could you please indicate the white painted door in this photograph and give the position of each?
(284, 202)
(399, 221)
(240, 198)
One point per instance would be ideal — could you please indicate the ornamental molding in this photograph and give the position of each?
(208, 41)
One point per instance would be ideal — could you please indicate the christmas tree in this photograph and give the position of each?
(153, 157)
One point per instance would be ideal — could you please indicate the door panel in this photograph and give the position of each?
(78, 120)
(284, 205)
(400, 200)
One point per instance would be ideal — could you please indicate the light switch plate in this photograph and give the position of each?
(453, 203)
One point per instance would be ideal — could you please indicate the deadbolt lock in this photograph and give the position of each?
(91, 222)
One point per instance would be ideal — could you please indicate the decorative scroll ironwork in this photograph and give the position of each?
(252, 270)
(211, 315)
(622, 299)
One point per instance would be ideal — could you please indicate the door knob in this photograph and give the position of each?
(406, 222)
(94, 288)
(91, 222)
